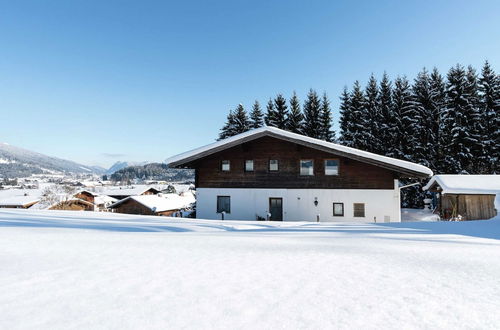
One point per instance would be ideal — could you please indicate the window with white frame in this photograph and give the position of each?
(331, 167)
(359, 210)
(249, 165)
(225, 165)
(306, 167)
(273, 165)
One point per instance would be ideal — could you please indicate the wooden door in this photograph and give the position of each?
(276, 208)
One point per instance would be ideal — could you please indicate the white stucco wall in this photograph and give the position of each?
(298, 204)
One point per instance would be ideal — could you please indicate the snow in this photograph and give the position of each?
(266, 130)
(163, 202)
(408, 215)
(19, 197)
(466, 184)
(81, 270)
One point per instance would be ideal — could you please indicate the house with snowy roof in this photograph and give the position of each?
(124, 192)
(269, 173)
(465, 197)
(161, 204)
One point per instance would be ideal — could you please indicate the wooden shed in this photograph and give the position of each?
(465, 197)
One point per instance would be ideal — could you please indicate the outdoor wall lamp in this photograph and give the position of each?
(315, 201)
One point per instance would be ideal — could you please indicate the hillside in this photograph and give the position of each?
(153, 171)
(18, 162)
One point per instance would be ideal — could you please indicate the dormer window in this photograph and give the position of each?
(225, 165)
(273, 165)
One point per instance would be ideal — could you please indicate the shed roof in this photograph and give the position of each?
(160, 203)
(466, 184)
(401, 166)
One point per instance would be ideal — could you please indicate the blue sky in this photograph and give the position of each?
(101, 81)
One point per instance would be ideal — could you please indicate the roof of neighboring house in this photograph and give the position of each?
(161, 203)
(127, 191)
(466, 184)
(19, 197)
(397, 165)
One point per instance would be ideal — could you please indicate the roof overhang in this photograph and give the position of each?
(404, 168)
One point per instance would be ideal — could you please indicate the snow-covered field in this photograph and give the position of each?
(77, 270)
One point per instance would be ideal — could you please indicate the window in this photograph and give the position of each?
(223, 204)
(359, 210)
(338, 209)
(248, 165)
(273, 165)
(225, 165)
(307, 167)
(331, 167)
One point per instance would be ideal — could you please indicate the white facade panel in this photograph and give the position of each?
(298, 204)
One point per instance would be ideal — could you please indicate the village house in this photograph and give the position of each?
(124, 192)
(101, 202)
(163, 205)
(465, 197)
(269, 173)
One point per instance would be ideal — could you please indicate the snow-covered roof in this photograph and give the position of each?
(364, 156)
(19, 197)
(161, 203)
(125, 191)
(466, 184)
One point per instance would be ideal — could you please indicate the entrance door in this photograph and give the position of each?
(276, 208)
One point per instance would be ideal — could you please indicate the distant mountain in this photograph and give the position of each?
(153, 171)
(119, 165)
(17, 162)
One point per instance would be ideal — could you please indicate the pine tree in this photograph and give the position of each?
(345, 118)
(295, 117)
(281, 111)
(489, 102)
(401, 106)
(241, 122)
(437, 109)
(387, 122)
(327, 133)
(369, 138)
(312, 110)
(474, 125)
(270, 117)
(457, 154)
(229, 127)
(256, 116)
(423, 141)
(356, 107)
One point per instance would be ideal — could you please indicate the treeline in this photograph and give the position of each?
(153, 171)
(313, 119)
(450, 124)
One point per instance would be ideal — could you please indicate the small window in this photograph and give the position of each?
(331, 167)
(225, 165)
(248, 165)
(338, 209)
(273, 165)
(359, 210)
(223, 204)
(307, 167)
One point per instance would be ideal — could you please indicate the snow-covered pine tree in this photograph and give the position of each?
(474, 123)
(345, 118)
(312, 110)
(229, 128)
(256, 116)
(327, 133)
(281, 111)
(356, 127)
(411, 126)
(402, 102)
(295, 117)
(387, 123)
(423, 142)
(457, 153)
(489, 89)
(370, 118)
(241, 122)
(438, 104)
(270, 116)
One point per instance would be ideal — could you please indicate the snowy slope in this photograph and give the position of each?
(119, 165)
(86, 270)
(17, 162)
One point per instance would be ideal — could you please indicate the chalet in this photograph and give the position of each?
(465, 197)
(101, 202)
(73, 204)
(164, 205)
(19, 198)
(268, 173)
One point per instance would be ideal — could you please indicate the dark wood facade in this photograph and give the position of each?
(469, 207)
(353, 174)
